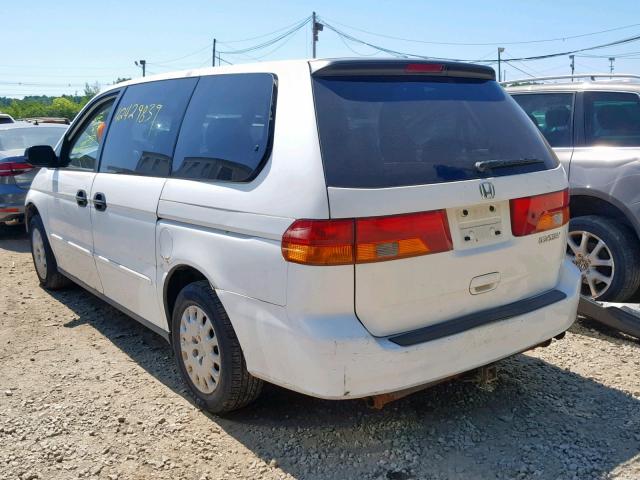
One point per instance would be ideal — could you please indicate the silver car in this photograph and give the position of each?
(593, 124)
(15, 173)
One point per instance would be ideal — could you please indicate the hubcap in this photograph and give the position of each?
(593, 257)
(199, 349)
(39, 257)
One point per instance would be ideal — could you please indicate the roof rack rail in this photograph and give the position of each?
(591, 76)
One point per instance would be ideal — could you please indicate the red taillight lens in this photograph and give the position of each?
(364, 240)
(319, 242)
(9, 169)
(539, 213)
(424, 68)
(401, 236)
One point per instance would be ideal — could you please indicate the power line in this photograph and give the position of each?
(508, 62)
(268, 43)
(264, 35)
(546, 40)
(173, 60)
(38, 84)
(346, 44)
(535, 57)
(275, 49)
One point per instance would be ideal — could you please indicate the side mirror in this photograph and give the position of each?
(42, 156)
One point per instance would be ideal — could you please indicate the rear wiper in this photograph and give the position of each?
(493, 164)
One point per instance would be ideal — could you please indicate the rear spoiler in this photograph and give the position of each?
(393, 67)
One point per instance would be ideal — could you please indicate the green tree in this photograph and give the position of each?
(91, 90)
(63, 107)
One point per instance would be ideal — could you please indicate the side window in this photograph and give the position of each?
(83, 150)
(226, 130)
(612, 118)
(552, 113)
(144, 128)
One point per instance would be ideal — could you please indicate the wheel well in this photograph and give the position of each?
(582, 205)
(30, 211)
(179, 278)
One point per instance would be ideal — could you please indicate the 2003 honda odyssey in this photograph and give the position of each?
(341, 228)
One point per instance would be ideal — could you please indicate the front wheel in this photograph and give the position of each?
(43, 259)
(606, 252)
(208, 353)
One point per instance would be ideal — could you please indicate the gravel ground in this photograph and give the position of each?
(85, 392)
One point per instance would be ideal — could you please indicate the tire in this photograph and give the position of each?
(210, 342)
(620, 249)
(47, 270)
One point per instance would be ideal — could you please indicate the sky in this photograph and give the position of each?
(54, 47)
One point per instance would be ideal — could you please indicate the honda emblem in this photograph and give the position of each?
(487, 190)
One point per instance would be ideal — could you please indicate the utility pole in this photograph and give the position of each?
(500, 50)
(315, 28)
(213, 57)
(143, 64)
(611, 60)
(572, 65)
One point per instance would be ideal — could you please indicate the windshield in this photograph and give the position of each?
(397, 131)
(21, 138)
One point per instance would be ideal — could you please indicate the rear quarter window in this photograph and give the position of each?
(612, 118)
(227, 129)
(396, 131)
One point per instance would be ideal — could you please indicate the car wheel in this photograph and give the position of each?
(44, 261)
(606, 252)
(208, 353)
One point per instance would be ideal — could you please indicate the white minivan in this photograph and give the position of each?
(342, 228)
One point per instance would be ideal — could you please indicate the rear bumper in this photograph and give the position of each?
(12, 200)
(334, 357)
(10, 212)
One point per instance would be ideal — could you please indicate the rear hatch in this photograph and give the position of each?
(457, 202)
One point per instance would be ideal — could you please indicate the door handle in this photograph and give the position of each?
(81, 198)
(100, 202)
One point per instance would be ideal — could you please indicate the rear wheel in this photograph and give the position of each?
(43, 259)
(606, 252)
(208, 353)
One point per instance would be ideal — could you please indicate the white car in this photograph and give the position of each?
(5, 118)
(342, 228)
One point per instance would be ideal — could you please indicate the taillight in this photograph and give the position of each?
(364, 240)
(319, 242)
(9, 169)
(539, 213)
(401, 236)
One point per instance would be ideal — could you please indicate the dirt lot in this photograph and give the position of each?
(86, 392)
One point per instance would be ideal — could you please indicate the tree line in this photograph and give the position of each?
(66, 106)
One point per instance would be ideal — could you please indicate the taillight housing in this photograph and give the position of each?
(402, 236)
(539, 213)
(366, 240)
(10, 169)
(319, 242)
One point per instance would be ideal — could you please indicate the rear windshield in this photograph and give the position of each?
(397, 131)
(21, 138)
